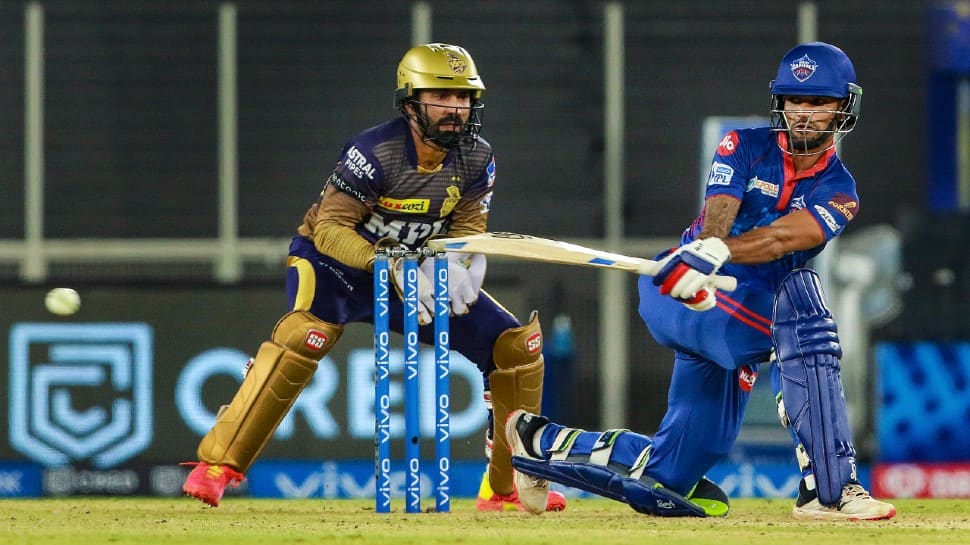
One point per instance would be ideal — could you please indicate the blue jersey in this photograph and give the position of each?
(749, 166)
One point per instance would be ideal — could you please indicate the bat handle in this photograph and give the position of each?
(650, 267)
(724, 282)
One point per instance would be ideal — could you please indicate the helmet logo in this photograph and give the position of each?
(803, 68)
(456, 63)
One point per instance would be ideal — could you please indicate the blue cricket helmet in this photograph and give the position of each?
(817, 69)
(814, 69)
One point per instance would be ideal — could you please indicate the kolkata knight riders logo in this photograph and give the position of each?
(456, 63)
(454, 195)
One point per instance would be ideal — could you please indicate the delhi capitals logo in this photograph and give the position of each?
(803, 68)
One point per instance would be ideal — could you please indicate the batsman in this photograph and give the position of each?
(423, 174)
(775, 197)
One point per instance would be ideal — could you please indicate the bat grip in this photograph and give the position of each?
(724, 282)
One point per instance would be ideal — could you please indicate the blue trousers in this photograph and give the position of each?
(716, 358)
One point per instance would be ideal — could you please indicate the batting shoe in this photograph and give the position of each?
(520, 430)
(855, 504)
(208, 482)
(710, 497)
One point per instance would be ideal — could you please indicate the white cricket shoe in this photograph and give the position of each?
(520, 428)
(856, 504)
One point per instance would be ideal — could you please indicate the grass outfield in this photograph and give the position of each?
(119, 521)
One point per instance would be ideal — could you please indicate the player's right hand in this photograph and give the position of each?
(466, 272)
(688, 271)
(425, 290)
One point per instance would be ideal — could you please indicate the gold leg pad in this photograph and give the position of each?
(275, 380)
(280, 371)
(515, 384)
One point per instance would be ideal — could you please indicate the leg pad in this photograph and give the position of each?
(277, 376)
(516, 383)
(807, 346)
(644, 495)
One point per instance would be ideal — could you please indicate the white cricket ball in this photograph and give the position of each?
(62, 301)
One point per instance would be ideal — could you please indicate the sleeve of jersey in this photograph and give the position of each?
(334, 233)
(358, 173)
(834, 205)
(470, 216)
(729, 168)
(352, 188)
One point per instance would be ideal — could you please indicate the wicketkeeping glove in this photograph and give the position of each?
(466, 272)
(425, 290)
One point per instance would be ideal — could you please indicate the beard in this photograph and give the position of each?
(812, 140)
(809, 143)
(448, 138)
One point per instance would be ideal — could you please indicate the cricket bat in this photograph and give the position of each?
(555, 251)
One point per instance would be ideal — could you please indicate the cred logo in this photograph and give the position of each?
(80, 392)
(534, 343)
(315, 340)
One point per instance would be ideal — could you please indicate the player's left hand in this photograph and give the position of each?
(466, 272)
(702, 301)
(687, 271)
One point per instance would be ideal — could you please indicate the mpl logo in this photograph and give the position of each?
(80, 391)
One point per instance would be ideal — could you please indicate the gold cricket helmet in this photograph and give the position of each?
(436, 66)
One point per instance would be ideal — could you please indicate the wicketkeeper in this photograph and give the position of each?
(423, 174)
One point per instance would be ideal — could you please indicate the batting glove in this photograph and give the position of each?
(702, 301)
(687, 272)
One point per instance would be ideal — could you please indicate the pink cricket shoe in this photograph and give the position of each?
(208, 482)
(488, 500)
